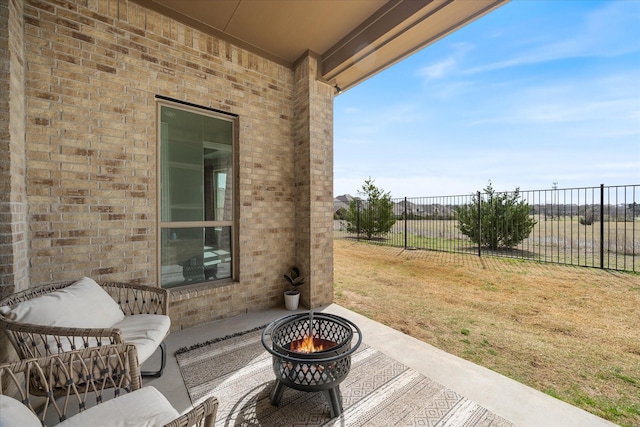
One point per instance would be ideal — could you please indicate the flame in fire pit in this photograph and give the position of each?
(310, 345)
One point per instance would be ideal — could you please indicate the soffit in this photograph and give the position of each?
(354, 38)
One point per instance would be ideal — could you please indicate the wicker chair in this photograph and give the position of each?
(74, 385)
(34, 340)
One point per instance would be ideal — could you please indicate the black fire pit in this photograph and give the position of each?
(320, 369)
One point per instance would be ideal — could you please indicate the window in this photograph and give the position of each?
(196, 226)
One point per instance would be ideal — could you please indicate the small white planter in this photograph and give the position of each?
(291, 300)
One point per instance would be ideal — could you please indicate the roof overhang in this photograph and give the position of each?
(354, 39)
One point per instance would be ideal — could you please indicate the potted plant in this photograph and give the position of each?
(292, 296)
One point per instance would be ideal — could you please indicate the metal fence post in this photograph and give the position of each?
(479, 225)
(405, 223)
(358, 220)
(602, 226)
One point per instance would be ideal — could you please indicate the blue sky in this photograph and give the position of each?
(533, 93)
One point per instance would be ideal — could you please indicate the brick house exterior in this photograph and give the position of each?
(78, 170)
(80, 82)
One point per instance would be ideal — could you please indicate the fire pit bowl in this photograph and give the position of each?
(311, 352)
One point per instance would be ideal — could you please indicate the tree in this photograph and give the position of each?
(373, 214)
(504, 220)
(340, 214)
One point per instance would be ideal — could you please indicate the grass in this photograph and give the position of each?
(571, 332)
(562, 240)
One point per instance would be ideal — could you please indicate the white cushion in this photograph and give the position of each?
(13, 414)
(83, 304)
(146, 407)
(146, 331)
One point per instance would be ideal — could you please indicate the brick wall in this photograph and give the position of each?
(13, 209)
(92, 71)
(313, 135)
(321, 190)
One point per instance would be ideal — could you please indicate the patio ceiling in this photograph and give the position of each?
(354, 39)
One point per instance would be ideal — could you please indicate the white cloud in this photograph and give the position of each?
(438, 69)
(449, 64)
(610, 31)
(604, 105)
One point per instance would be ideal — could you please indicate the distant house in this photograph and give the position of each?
(342, 202)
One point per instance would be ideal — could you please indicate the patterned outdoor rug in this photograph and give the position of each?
(378, 391)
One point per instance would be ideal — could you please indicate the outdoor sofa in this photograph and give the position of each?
(59, 317)
(83, 376)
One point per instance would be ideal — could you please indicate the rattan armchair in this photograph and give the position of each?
(74, 387)
(33, 341)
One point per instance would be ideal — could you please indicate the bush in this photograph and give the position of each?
(589, 217)
(340, 214)
(504, 220)
(372, 216)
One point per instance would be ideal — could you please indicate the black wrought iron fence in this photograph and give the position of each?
(590, 226)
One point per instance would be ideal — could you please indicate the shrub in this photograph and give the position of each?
(504, 219)
(340, 214)
(372, 216)
(589, 217)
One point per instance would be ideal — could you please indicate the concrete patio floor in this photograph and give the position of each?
(511, 400)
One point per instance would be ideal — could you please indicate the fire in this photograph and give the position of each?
(306, 345)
